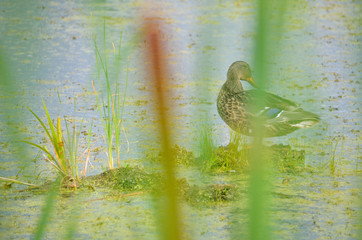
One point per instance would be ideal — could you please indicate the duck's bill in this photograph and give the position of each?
(252, 82)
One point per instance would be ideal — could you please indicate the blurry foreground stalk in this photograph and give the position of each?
(268, 29)
(158, 73)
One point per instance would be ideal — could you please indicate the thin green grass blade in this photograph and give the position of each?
(41, 122)
(56, 142)
(119, 45)
(60, 101)
(125, 91)
(48, 153)
(50, 123)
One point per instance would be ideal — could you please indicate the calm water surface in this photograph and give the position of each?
(49, 46)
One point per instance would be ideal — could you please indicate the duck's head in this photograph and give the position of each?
(240, 70)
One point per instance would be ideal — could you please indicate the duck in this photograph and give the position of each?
(240, 109)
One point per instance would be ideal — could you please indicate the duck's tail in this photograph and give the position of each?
(300, 118)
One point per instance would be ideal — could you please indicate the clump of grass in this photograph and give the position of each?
(205, 147)
(182, 156)
(126, 178)
(226, 159)
(111, 104)
(237, 154)
(64, 156)
(205, 144)
(222, 159)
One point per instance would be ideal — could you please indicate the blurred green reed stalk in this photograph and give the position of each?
(268, 33)
(110, 106)
(64, 157)
(170, 225)
(8, 85)
(268, 37)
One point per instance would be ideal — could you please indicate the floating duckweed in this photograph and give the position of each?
(286, 159)
(231, 158)
(211, 193)
(125, 178)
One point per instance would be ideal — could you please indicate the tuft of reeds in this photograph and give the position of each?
(111, 104)
(232, 157)
(268, 31)
(206, 148)
(64, 156)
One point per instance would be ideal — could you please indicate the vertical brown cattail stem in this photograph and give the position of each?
(159, 74)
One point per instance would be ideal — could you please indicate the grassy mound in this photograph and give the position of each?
(125, 179)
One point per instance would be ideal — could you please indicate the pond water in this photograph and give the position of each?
(50, 50)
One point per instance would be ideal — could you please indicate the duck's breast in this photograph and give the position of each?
(231, 110)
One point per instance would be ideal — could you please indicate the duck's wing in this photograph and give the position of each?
(265, 104)
(270, 100)
(279, 115)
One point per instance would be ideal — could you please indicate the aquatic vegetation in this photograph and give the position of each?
(182, 156)
(111, 104)
(235, 157)
(312, 60)
(221, 159)
(64, 156)
(210, 194)
(286, 159)
(126, 178)
(282, 158)
(232, 157)
(205, 146)
(133, 179)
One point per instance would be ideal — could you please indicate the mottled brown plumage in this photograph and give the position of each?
(240, 108)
